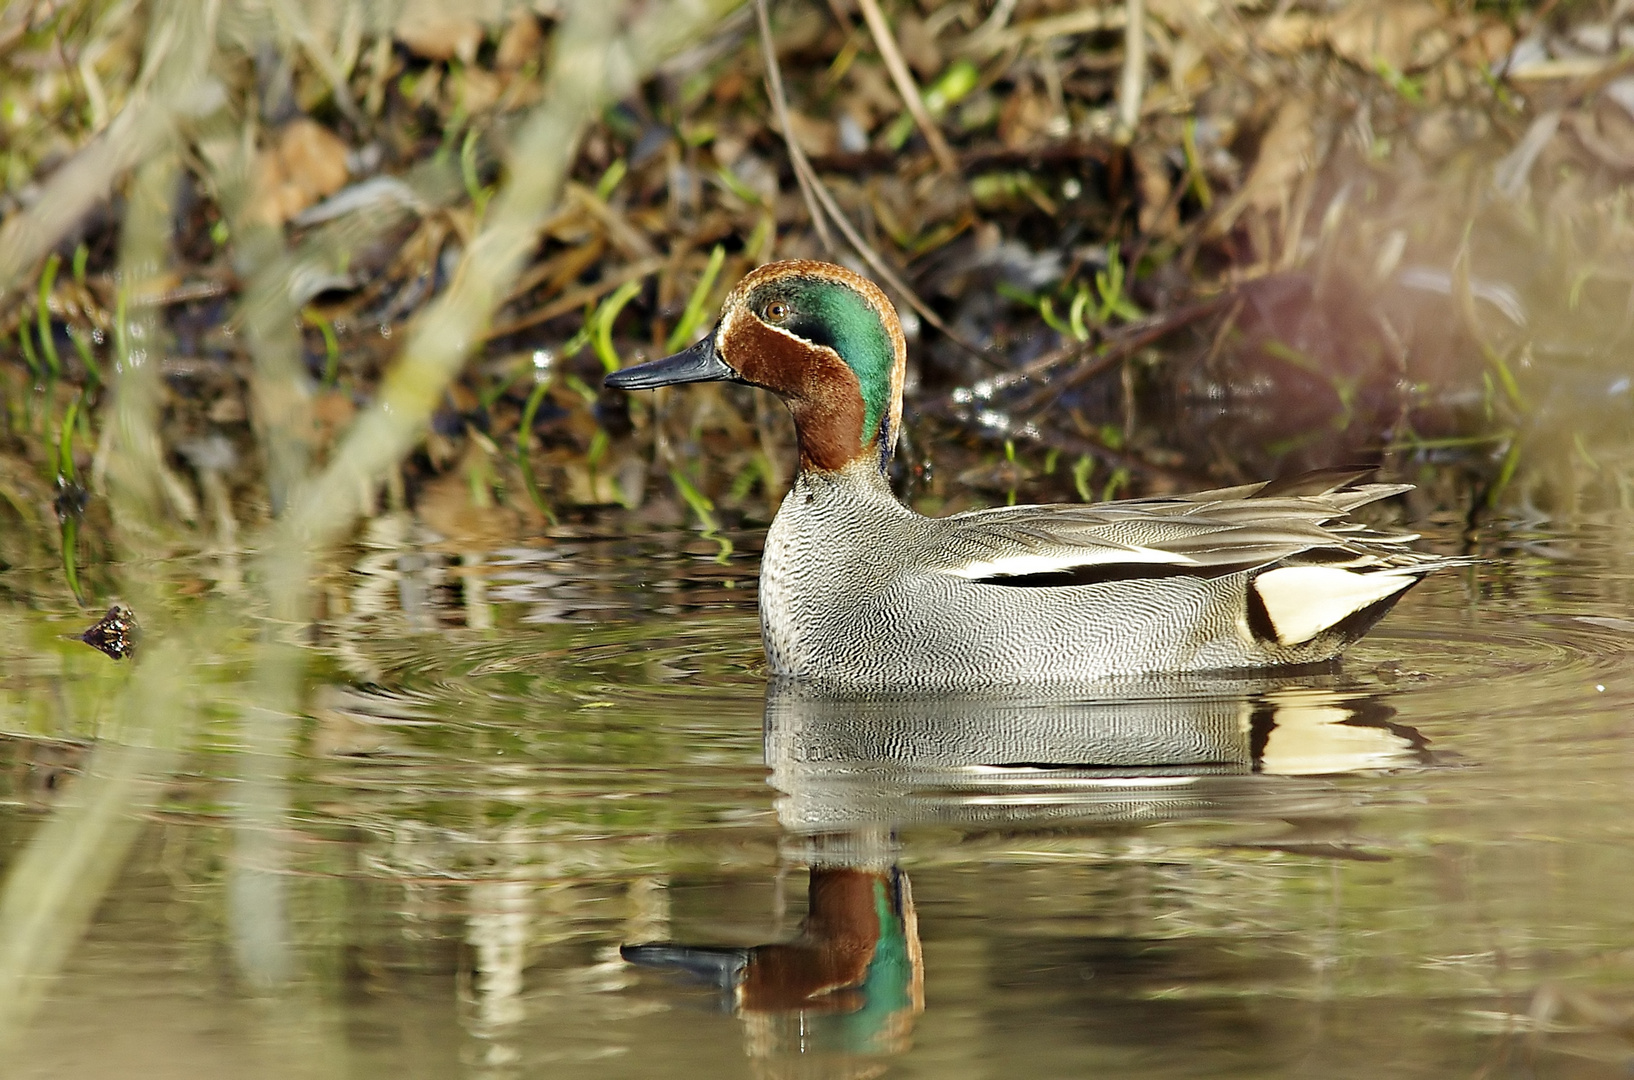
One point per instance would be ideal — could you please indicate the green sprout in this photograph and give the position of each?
(1010, 456)
(700, 504)
(754, 470)
(1410, 89)
(48, 346)
(1194, 165)
(1109, 283)
(82, 345)
(599, 442)
(1075, 317)
(601, 335)
(65, 443)
(1046, 309)
(1119, 479)
(474, 189)
(729, 180)
(29, 355)
(950, 88)
(1506, 378)
(331, 346)
(524, 431)
(1506, 473)
(611, 178)
(1081, 470)
(693, 315)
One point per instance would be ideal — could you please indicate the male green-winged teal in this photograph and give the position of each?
(857, 590)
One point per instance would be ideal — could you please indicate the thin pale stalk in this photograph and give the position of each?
(885, 41)
(780, 104)
(1132, 83)
(58, 880)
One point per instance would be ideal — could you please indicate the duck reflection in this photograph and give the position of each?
(853, 772)
(1163, 749)
(850, 983)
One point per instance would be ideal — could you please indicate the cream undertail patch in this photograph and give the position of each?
(1303, 601)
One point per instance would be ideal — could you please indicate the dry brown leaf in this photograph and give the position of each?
(1494, 42)
(478, 90)
(313, 157)
(454, 507)
(918, 47)
(1444, 131)
(816, 137)
(1365, 34)
(1025, 119)
(1285, 155)
(1607, 133)
(332, 413)
(1283, 35)
(307, 164)
(520, 42)
(1157, 217)
(435, 35)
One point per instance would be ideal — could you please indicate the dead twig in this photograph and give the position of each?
(774, 85)
(965, 418)
(577, 298)
(1132, 86)
(877, 263)
(1112, 352)
(819, 200)
(885, 41)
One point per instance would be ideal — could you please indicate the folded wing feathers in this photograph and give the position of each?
(1250, 525)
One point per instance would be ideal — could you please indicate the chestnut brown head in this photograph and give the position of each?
(825, 340)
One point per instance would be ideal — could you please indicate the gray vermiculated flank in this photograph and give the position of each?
(856, 590)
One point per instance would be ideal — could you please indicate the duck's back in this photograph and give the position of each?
(858, 591)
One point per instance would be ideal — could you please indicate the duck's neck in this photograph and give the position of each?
(828, 428)
(860, 475)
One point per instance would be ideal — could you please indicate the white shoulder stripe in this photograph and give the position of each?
(1303, 601)
(1017, 565)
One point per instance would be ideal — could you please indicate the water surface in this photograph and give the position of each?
(514, 763)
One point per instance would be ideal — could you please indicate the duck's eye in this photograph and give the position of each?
(777, 311)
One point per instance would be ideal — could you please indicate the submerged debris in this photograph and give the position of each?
(116, 633)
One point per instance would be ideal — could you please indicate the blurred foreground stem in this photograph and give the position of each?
(593, 66)
(59, 879)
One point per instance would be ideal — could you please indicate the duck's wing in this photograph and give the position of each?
(1205, 534)
(1311, 571)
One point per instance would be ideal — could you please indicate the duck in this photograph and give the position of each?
(860, 592)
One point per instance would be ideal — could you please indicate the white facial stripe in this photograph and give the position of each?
(1018, 565)
(826, 350)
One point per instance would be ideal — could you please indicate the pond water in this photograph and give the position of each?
(515, 765)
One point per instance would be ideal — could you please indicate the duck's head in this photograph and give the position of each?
(825, 340)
